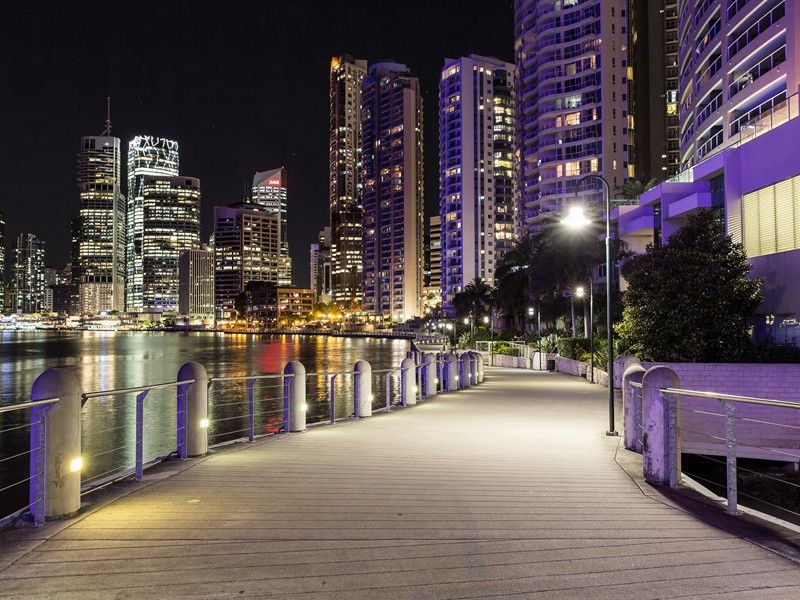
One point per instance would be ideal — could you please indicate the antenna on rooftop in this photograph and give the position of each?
(107, 130)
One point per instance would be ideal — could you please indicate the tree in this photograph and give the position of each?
(690, 300)
(633, 188)
(474, 299)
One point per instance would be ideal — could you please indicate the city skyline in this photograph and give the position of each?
(226, 131)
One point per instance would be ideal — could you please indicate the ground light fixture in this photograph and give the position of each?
(576, 219)
(76, 464)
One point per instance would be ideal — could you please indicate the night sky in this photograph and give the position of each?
(242, 86)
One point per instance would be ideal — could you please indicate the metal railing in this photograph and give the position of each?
(731, 442)
(225, 414)
(756, 29)
(755, 72)
(13, 492)
(139, 463)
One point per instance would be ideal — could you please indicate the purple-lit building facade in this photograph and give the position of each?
(476, 170)
(754, 187)
(571, 102)
(391, 129)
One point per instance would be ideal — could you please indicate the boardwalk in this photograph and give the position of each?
(508, 490)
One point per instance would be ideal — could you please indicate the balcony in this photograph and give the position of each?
(712, 105)
(757, 71)
(756, 29)
(706, 147)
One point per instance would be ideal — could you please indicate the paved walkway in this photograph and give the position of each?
(508, 490)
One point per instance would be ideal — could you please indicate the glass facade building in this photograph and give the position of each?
(28, 275)
(270, 193)
(391, 150)
(147, 156)
(99, 229)
(346, 207)
(476, 170)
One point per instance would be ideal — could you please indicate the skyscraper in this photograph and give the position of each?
(269, 192)
(476, 170)
(246, 249)
(196, 284)
(99, 229)
(320, 266)
(738, 72)
(28, 274)
(170, 209)
(391, 129)
(346, 200)
(653, 96)
(147, 156)
(432, 292)
(2, 260)
(571, 103)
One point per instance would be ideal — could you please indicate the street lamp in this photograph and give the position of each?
(538, 331)
(580, 293)
(576, 219)
(487, 321)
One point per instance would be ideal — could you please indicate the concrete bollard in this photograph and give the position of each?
(193, 411)
(463, 370)
(473, 367)
(362, 389)
(632, 407)
(429, 375)
(451, 371)
(479, 365)
(660, 433)
(408, 381)
(61, 437)
(294, 397)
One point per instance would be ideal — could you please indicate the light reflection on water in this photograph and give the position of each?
(109, 360)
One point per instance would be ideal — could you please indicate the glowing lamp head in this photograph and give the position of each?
(485, 319)
(466, 321)
(576, 218)
(76, 464)
(579, 292)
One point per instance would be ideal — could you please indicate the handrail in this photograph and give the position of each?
(24, 405)
(249, 377)
(155, 386)
(730, 397)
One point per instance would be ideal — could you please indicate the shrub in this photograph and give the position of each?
(507, 349)
(572, 347)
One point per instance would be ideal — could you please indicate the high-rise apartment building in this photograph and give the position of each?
(170, 208)
(246, 249)
(432, 291)
(99, 228)
(347, 74)
(320, 267)
(196, 284)
(391, 129)
(476, 170)
(147, 156)
(2, 260)
(28, 275)
(270, 193)
(571, 103)
(739, 71)
(653, 52)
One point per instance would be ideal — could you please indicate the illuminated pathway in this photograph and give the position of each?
(508, 490)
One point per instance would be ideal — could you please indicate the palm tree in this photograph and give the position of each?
(634, 188)
(474, 299)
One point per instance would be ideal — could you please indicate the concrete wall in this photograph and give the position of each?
(571, 367)
(514, 362)
(770, 381)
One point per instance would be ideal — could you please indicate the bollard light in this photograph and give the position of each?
(76, 464)
(304, 407)
(204, 423)
(416, 389)
(372, 397)
(436, 380)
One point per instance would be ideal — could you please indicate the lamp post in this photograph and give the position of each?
(486, 321)
(531, 310)
(580, 294)
(577, 219)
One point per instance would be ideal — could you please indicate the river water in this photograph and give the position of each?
(113, 360)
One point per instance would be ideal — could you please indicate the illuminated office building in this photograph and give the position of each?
(99, 228)
(269, 192)
(196, 284)
(391, 150)
(476, 170)
(170, 226)
(346, 206)
(246, 249)
(147, 156)
(320, 266)
(571, 103)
